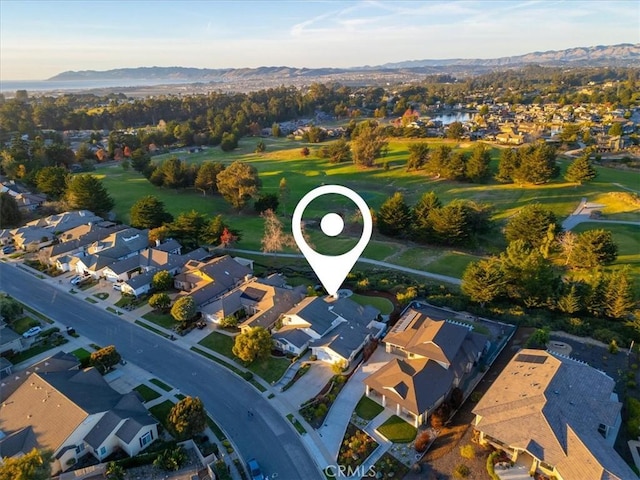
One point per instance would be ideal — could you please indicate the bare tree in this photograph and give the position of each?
(274, 239)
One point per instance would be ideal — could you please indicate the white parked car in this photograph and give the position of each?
(32, 332)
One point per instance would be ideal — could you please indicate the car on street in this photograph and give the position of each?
(32, 332)
(254, 470)
(8, 249)
(76, 280)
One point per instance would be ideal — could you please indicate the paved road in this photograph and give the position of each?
(422, 273)
(267, 436)
(583, 212)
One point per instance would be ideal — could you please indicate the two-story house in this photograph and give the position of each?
(433, 357)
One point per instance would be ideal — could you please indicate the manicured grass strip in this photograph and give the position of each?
(38, 314)
(217, 431)
(301, 430)
(90, 300)
(180, 396)
(101, 295)
(33, 351)
(95, 346)
(161, 384)
(149, 327)
(368, 409)
(161, 411)
(163, 320)
(147, 392)
(397, 430)
(81, 354)
(233, 368)
(384, 305)
(113, 310)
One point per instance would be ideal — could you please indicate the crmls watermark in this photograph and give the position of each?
(346, 471)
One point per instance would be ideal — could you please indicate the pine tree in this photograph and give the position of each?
(394, 217)
(619, 295)
(570, 302)
(580, 170)
(86, 192)
(477, 166)
(483, 281)
(507, 165)
(422, 230)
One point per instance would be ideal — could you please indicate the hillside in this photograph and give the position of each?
(613, 55)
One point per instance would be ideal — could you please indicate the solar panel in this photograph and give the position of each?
(528, 358)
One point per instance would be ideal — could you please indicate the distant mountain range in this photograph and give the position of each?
(625, 54)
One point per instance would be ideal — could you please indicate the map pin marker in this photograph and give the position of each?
(331, 269)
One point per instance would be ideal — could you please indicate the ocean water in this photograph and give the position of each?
(10, 86)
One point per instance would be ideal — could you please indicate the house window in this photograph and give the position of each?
(146, 439)
(103, 451)
(80, 448)
(602, 430)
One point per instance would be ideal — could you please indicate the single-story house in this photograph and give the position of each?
(336, 330)
(73, 413)
(558, 416)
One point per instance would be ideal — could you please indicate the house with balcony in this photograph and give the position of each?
(433, 358)
(554, 415)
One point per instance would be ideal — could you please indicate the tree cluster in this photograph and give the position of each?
(530, 164)
(428, 221)
(445, 163)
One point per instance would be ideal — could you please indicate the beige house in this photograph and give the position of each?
(554, 415)
(434, 357)
(73, 413)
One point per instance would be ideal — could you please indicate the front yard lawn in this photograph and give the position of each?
(46, 344)
(270, 369)
(161, 412)
(81, 354)
(146, 392)
(219, 343)
(397, 430)
(23, 324)
(163, 320)
(368, 409)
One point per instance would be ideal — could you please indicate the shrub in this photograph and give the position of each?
(468, 451)
(613, 347)
(491, 460)
(476, 396)
(422, 441)
(461, 471)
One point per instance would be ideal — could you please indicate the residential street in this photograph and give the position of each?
(266, 436)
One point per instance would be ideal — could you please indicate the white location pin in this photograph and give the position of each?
(331, 269)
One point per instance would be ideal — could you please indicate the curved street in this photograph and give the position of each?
(266, 436)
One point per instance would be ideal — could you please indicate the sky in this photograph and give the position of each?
(39, 39)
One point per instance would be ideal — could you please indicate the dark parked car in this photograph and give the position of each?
(8, 249)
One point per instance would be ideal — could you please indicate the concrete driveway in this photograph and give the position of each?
(309, 385)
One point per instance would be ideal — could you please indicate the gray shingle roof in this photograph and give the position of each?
(554, 406)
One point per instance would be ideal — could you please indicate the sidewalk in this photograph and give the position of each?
(322, 444)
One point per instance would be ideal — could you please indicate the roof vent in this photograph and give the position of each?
(556, 392)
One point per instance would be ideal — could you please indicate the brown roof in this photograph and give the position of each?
(415, 384)
(552, 407)
(51, 415)
(438, 340)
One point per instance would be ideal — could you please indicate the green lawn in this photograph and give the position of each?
(147, 392)
(33, 351)
(298, 426)
(163, 320)
(23, 324)
(220, 343)
(161, 384)
(397, 430)
(81, 354)
(381, 303)
(161, 411)
(368, 409)
(283, 160)
(270, 369)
